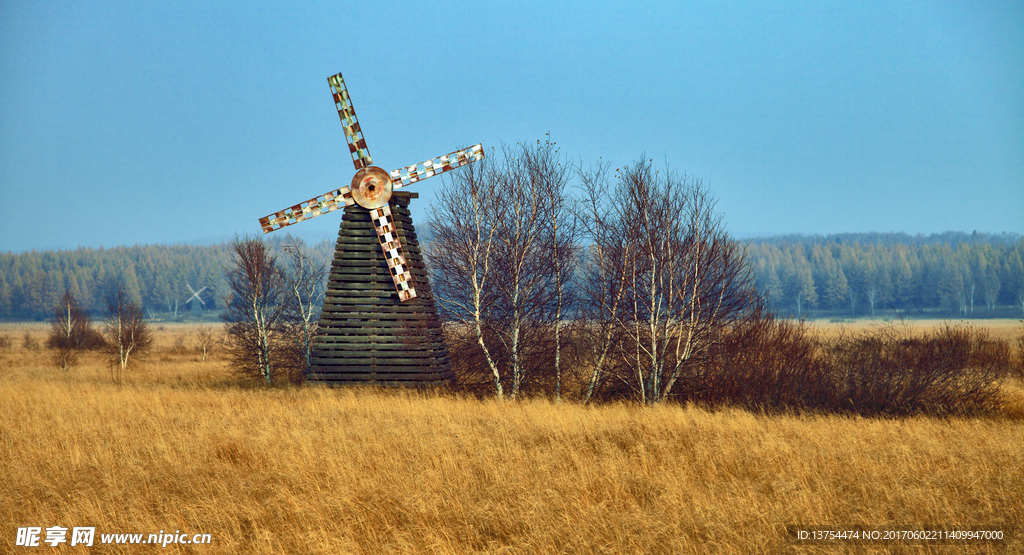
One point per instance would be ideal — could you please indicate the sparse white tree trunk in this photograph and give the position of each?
(686, 281)
(606, 275)
(872, 297)
(304, 280)
(464, 222)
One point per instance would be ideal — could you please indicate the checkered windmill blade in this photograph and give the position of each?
(353, 133)
(371, 188)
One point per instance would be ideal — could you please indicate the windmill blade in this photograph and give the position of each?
(384, 224)
(353, 133)
(411, 174)
(338, 198)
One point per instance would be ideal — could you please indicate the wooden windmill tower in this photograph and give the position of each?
(379, 323)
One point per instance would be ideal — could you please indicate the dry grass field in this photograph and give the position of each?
(181, 446)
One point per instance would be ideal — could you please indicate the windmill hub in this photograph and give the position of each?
(371, 187)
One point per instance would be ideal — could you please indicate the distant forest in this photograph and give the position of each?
(857, 274)
(158, 277)
(852, 274)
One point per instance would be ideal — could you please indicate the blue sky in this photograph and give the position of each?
(160, 122)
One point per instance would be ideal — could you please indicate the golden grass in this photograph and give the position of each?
(181, 446)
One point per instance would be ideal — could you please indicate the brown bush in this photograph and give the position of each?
(29, 343)
(91, 340)
(762, 363)
(537, 361)
(955, 369)
(1019, 369)
(769, 364)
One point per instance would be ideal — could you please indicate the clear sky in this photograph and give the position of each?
(166, 122)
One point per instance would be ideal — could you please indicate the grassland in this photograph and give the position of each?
(180, 445)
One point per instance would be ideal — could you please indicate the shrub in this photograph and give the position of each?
(764, 363)
(951, 370)
(1019, 368)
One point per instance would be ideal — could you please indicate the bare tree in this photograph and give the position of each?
(682, 278)
(70, 328)
(465, 220)
(991, 288)
(501, 258)
(801, 285)
(127, 336)
(205, 341)
(521, 275)
(564, 231)
(304, 282)
(172, 306)
(604, 272)
(872, 296)
(254, 311)
(533, 181)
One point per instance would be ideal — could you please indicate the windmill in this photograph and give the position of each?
(195, 295)
(375, 326)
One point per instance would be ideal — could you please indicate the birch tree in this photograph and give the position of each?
(501, 257)
(127, 337)
(254, 311)
(991, 288)
(603, 275)
(872, 297)
(521, 278)
(683, 278)
(69, 330)
(304, 282)
(533, 259)
(204, 341)
(563, 231)
(464, 221)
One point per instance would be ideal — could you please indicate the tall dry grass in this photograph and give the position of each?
(180, 446)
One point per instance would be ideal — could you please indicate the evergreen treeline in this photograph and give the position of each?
(953, 274)
(861, 274)
(157, 277)
(892, 239)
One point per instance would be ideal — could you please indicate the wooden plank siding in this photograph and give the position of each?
(366, 335)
